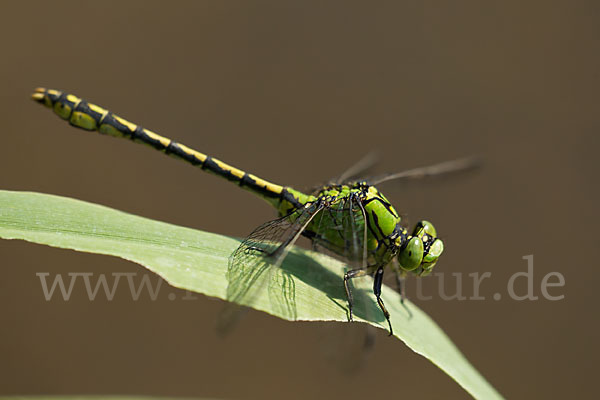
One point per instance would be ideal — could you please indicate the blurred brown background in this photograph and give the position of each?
(296, 92)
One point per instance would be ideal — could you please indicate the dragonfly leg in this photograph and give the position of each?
(400, 286)
(354, 273)
(250, 249)
(378, 281)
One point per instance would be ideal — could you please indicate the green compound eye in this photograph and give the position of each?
(424, 227)
(411, 256)
(435, 250)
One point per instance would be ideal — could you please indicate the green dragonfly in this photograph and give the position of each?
(348, 217)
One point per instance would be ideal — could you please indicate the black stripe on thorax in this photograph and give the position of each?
(287, 196)
(387, 205)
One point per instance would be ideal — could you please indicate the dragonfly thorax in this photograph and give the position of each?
(358, 213)
(340, 227)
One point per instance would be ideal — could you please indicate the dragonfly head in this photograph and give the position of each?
(421, 250)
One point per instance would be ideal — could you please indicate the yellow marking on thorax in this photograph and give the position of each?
(163, 140)
(197, 154)
(370, 195)
(372, 191)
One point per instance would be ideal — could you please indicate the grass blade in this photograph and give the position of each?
(197, 261)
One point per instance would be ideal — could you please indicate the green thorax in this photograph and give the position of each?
(340, 226)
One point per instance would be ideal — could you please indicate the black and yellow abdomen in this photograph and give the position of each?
(91, 117)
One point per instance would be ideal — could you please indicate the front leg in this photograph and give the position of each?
(378, 281)
(354, 273)
(400, 279)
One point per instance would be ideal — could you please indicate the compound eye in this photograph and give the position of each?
(424, 227)
(411, 256)
(434, 252)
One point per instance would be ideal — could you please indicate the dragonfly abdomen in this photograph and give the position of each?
(91, 117)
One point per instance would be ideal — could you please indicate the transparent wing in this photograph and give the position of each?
(336, 229)
(448, 167)
(255, 264)
(348, 347)
(360, 168)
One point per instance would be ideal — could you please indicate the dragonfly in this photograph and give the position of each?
(348, 217)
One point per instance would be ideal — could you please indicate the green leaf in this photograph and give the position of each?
(310, 284)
